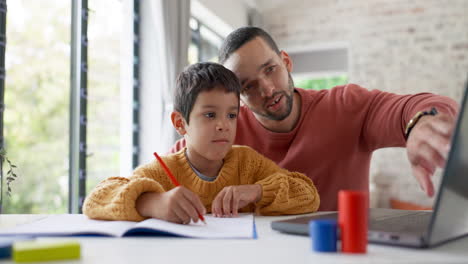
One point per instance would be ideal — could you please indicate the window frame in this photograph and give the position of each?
(196, 37)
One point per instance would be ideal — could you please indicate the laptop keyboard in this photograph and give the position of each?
(416, 222)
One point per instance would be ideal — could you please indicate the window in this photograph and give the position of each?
(36, 119)
(320, 67)
(319, 83)
(204, 44)
(37, 99)
(103, 131)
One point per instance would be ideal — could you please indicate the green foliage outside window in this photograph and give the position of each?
(320, 83)
(36, 112)
(37, 97)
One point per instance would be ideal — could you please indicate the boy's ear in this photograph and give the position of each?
(178, 122)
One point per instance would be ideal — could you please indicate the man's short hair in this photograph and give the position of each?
(239, 37)
(201, 77)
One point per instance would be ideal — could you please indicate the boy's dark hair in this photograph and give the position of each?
(239, 37)
(201, 77)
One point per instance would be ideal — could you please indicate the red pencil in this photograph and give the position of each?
(173, 179)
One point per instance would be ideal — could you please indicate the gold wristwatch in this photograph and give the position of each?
(416, 118)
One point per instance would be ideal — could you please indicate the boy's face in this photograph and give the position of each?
(213, 124)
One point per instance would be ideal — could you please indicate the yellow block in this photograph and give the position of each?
(31, 251)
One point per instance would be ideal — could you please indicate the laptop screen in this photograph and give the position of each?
(451, 211)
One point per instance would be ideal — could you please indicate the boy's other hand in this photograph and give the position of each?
(231, 198)
(179, 205)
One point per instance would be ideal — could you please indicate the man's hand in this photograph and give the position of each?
(179, 205)
(230, 199)
(427, 147)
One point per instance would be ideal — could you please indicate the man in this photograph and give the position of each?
(330, 135)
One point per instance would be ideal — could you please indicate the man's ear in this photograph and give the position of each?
(286, 60)
(178, 122)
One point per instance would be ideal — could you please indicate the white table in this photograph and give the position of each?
(271, 247)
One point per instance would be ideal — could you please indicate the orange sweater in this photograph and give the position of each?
(336, 134)
(284, 192)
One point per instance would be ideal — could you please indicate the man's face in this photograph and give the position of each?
(267, 86)
(213, 124)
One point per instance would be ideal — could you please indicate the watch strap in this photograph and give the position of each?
(416, 118)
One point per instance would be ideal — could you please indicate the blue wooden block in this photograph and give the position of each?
(6, 244)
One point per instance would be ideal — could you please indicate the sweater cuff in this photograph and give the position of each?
(444, 105)
(134, 189)
(270, 187)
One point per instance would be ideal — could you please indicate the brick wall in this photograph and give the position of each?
(397, 46)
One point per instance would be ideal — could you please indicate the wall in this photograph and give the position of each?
(221, 16)
(396, 46)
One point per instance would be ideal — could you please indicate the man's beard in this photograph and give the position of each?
(289, 102)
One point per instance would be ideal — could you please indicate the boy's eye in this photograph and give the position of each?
(210, 115)
(232, 116)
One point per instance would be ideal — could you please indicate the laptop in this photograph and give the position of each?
(421, 229)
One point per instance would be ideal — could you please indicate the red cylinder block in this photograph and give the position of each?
(353, 210)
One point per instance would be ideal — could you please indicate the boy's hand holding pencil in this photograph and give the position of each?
(179, 205)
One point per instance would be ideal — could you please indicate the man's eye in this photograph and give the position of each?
(247, 88)
(210, 115)
(232, 116)
(270, 69)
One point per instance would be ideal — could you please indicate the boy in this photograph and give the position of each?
(215, 176)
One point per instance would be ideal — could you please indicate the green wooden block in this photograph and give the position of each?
(30, 251)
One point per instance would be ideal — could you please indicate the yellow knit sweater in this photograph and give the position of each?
(284, 192)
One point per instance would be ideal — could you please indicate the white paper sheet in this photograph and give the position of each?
(235, 227)
(77, 224)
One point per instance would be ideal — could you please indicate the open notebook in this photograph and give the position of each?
(242, 226)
